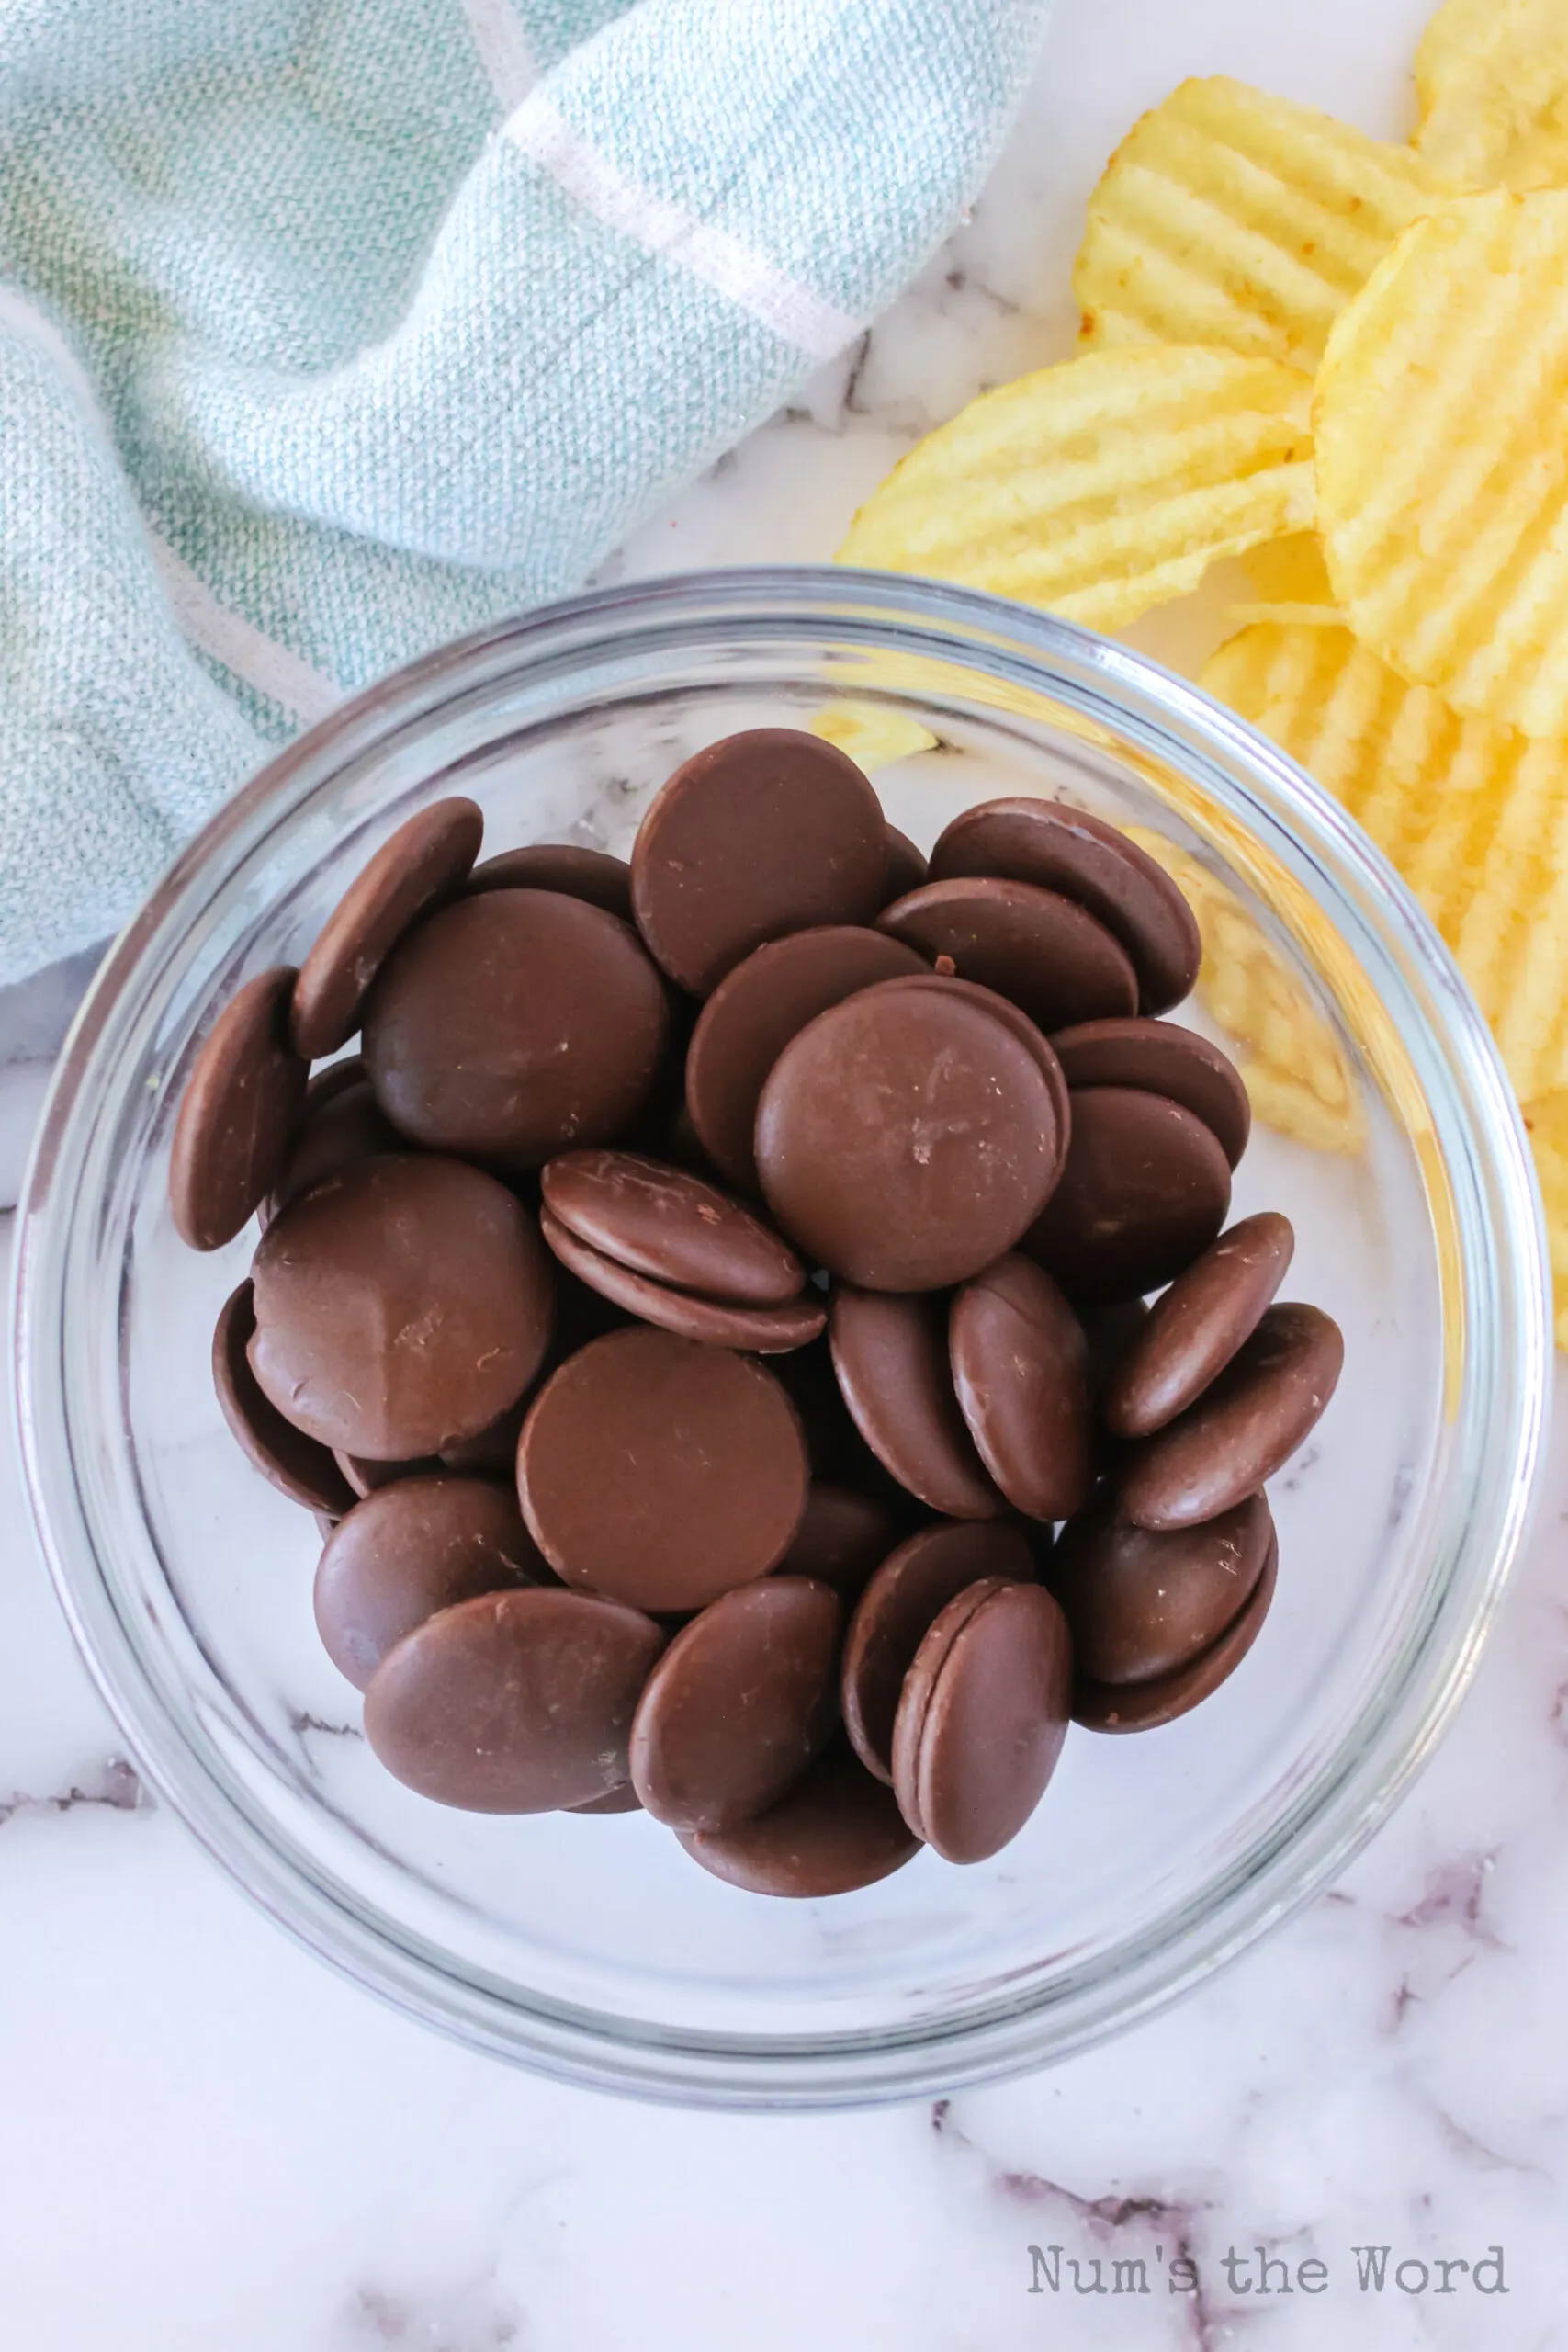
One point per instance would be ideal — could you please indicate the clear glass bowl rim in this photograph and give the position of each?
(1506, 1390)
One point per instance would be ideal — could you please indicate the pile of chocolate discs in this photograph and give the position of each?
(697, 1305)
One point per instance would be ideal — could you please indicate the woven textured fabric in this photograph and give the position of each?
(330, 328)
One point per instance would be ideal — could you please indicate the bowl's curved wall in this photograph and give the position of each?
(593, 1947)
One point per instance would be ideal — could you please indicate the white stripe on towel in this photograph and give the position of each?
(228, 636)
(283, 677)
(34, 326)
(792, 311)
(502, 48)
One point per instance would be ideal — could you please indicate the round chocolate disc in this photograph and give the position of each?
(1196, 1328)
(663, 1221)
(1145, 1706)
(1021, 1369)
(401, 1306)
(764, 833)
(367, 1477)
(1042, 951)
(891, 1358)
(740, 1707)
(410, 1550)
(982, 1718)
(299, 1466)
(661, 1471)
(511, 1027)
(1243, 1428)
(1140, 1604)
(896, 1612)
(1162, 1059)
(423, 859)
(906, 1139)
(237, 1115)
(906, 868)
(347, 1126)
(1030, 1035)
(1065, 849)
(576, 872)
(751, 1018)
(842, 1536)
(765, 1330)
(1145, 1189)
(836, 1830)
(515, 1702)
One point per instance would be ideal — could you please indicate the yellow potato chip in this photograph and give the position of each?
(1101, 487)
(1546, 1121)
(873, 736)
(1296, 1072)
(1290, 570)
(1292, 581)
(1230, 217)
(1442, 458)
(1492, 78)
(1474, 816)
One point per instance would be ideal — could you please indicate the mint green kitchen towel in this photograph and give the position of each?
(330, 328)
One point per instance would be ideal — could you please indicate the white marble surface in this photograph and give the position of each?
(205, 2139)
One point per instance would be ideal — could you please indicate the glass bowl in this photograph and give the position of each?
(594, 1949)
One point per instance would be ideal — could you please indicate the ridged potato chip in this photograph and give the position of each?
(1291, 584)
(1230, 217)
(1290, 571)
(1101, 487)
(1546, 1123)
(1492, 79)
(1295, 1071)
(1474, 816)
(1442, 458)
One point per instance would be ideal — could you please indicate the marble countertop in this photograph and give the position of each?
(206, 2140)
